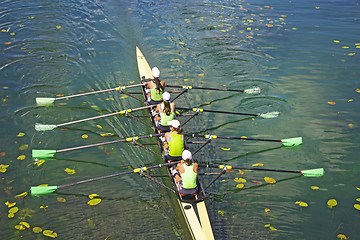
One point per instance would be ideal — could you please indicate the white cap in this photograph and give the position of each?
(166, 96)
(155, 72)
(186, 154)
(174, 123)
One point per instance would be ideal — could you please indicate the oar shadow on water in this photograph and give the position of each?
(248, 154)
(80, 195)
(222, 125)
(86, 162)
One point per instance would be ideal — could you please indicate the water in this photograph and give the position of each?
(303, 55)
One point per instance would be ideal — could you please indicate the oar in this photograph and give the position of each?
(48, 101)
(50, 153)
(250, 90)
(41, 190)
(317, 172)
(46, 127)
(290, 142)
(263, 115)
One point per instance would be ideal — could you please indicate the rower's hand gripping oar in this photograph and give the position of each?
(42, 190)
(42, 101)
(50, 153)
(289, 142)
(263, 115)
(317, 172)
(253, 90)
(46, 127)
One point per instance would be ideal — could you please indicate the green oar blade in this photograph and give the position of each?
(318, 172)
(269, 115)
(45, 101)
(44, 127)
(43, 153)
(43, 190)
(291, 142)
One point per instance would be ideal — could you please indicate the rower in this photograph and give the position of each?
(186, 182)
(167, 113)
(156, 88)
(174, 141)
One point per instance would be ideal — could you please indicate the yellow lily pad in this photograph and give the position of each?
(27, 225)
(20, 227)
(267, 210)
(99, 126)
(91, 196)
(269, 180)
(258, 165)
(22, 195)
(241, 172)
(9, 204)
(13, 210)
(69, 171)
(241, 180)
(225, 149)
(84, 136)
(341, 236)
(222, 213)
(240, 185)
(94, 201)
(315, 188)
(11, 215)
(302, 204)
(273, 229)
(39, 163)
(3, 168)
(61, 199)
(357, 206)
(20, 134)
(37, 230)
(50, 233)
(21, 157)
(332, 203)
(24, 147)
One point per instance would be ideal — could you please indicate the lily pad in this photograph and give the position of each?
(94, 201)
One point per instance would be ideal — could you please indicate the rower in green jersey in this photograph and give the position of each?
(166, 110)
(174, 141)
(186, 182)
(156, 87)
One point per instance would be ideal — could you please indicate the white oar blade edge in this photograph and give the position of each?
(44, 127)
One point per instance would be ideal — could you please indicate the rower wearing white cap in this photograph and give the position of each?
(188, 174)
(167, 113)
(174, 141)
(156, 87)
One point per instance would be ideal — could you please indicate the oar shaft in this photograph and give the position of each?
(247, 168)
(118, 174)
(215, 111)
(99, 91)
(238, 138)
(206, 88)
(129, 139)
(84, 94)
(101, 116)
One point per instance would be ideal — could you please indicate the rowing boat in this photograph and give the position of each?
(193, 207)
